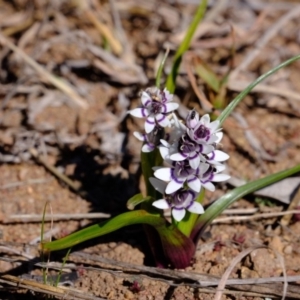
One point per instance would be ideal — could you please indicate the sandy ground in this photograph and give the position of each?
(86, 135)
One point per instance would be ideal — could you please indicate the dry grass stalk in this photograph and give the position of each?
(115, 45)
(61, 292)
(32, 218)
(58, 83)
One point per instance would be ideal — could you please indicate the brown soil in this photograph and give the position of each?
(94, 147)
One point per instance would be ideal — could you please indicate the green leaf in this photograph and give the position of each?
(227, 111)
(125, 219)
(136, 200)
(222, 203)
(208, 76)
(160, 69)
(178, 248)
(171, 80)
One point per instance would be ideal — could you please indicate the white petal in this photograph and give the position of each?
(196, 208)
(162, 120)
(214, 125)
(178, 214)
(207, 148)
(146, 148)
(219, 136)
(139, 112)
(177, 157)
(139, 136)
(209, 186)
(158, 184)
(165, 143)
(173, 186)
(220, 177)
(171, 106)
(212, 139)
(205, 119)
(168, 95)
(195, 185)
(163, 174)
(203, 167)
(219, 155)
(192, 122)
(220, 168)
(149, 126)
(195, 162)
(162, 204)
(145, 98)
(164, 152)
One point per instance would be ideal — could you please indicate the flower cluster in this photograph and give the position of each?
(190, 150)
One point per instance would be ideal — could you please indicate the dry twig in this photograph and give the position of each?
(32, 218)
(59, 83)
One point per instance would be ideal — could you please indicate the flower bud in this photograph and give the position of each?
(192, 119)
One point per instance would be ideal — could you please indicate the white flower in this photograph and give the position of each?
(179, 174)
(156, 105)
(179, 202)
(205, 132)
(189, 149)
(210, 174)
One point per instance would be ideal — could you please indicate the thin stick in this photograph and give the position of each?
(236, 260)
(102, 28)
(58, 83)
(254, 217)
(32, 218)
(60, 292)
(15, 251)
(20, 183)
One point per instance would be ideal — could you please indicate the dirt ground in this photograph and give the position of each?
(107, 52)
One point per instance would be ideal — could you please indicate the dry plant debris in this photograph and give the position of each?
(69, 73)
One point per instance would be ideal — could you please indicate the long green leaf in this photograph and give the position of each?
(171, 80)
(160, 69)
(208, 76)
(125, 219)
(222, 203)
(178, 249)
(227, 111)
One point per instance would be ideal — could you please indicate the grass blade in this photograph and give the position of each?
(222, 203)
(227, 111)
